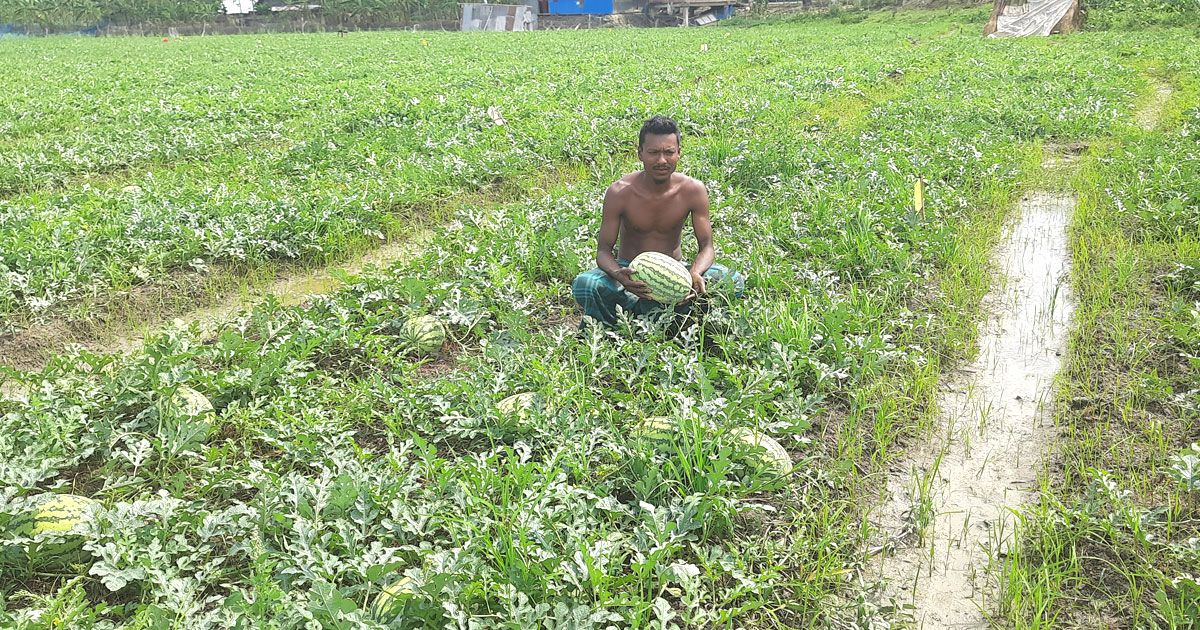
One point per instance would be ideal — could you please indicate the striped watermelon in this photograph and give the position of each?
(517, 405)
(669, 281)
(191, 402)
(196, 416)
(392, 599)
(764, 450)
(658, 429)
(424, 334)
(60, 514)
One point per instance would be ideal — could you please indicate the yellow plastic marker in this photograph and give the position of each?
(919, 195)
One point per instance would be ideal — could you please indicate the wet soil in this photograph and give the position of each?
(948, 516)
(1148, 116)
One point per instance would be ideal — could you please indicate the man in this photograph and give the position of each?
(647, 210)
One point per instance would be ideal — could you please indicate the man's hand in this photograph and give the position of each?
(624, 275)
(698, 288)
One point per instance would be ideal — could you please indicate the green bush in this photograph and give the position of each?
(1108, 14)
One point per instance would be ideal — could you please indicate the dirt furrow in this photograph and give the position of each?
(1150, 113)
(289, 290)
(948, 516)
(31, 347)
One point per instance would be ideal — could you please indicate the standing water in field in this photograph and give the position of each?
(949, 512)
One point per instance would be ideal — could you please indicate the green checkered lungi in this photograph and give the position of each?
(600, 295)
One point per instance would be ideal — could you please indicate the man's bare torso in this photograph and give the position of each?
(653, 221)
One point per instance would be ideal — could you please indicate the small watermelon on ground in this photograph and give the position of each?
(658, 429)
(517, 405)
(392, 599)
(59, 514)
(196, 416)
(191, 402)
(764, 450)
(424, 334)
(669, 280)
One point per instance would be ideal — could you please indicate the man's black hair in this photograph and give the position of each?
(659, 126)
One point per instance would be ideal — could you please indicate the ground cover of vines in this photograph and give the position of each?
(338, 461)
(136, 158)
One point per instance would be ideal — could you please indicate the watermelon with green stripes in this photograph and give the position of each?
(424, 334)
(58, 516)
(658, 429)
(191, 402)
(196, 416)
(669, 280)
(763, 450)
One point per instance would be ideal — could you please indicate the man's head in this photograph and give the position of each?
(658, 147)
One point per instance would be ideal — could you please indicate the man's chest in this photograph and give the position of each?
(664, 217)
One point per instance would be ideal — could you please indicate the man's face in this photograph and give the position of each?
(659, 154)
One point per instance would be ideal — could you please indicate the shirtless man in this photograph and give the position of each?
(647, 210)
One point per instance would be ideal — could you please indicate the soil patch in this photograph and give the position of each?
(33, 345)
(1149, 114)
(948, 515)
(289, 290)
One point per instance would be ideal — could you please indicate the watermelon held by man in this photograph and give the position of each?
(668, 281)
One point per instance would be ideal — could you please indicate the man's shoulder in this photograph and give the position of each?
(625, 181)
(688, 183)
(622, 185)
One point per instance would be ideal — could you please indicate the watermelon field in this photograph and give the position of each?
(351, 475)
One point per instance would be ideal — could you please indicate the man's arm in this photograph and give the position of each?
(702, 226)
(606, 238)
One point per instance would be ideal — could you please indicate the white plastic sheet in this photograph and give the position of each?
(1037, 17)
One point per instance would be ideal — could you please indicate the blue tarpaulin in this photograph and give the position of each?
(581, 7)
(724, 12)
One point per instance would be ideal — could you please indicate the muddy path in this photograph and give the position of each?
(948, 514)
(32, 347)
(1150, 114)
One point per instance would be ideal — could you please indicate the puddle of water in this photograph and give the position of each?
(996, 427)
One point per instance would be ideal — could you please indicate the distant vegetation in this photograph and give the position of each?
(57, 15)
(1103, 14)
